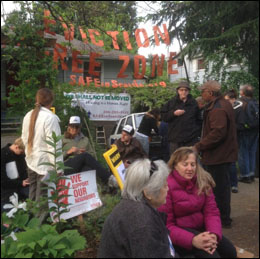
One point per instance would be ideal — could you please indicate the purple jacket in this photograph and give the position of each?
(186, 209)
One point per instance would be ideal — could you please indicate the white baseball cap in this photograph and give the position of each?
(129, 129)
(74, 120)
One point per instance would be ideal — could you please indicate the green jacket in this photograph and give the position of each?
(79, 141)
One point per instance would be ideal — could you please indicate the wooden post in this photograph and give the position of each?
(81, 223)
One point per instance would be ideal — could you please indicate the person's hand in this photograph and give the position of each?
(73, 150)
(205, 241)
(178, 112)
(81, 150)
(26, 182)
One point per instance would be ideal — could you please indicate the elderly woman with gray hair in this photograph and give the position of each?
(135, 229)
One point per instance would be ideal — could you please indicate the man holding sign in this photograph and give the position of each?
(129, 147)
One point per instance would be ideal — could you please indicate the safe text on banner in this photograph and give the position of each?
(102, 107)
(82, 194)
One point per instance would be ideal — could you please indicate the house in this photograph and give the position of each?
(195, 69)
(109, 69)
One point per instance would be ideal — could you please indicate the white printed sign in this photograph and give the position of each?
(102, 107)
(84, 194)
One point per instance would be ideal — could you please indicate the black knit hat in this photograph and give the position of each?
(184, 84)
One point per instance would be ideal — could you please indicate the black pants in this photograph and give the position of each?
(83, 162)
(222, 191)
(225, 249)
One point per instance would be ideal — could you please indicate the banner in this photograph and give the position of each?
(84, 194)
(113, 159)
(102, 107)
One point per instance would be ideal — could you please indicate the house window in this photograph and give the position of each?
(201, 64)
(97, 69)
(180, 62)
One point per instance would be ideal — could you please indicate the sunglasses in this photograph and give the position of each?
(154, 168)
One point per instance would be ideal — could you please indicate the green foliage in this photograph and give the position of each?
(94, 220)
(59, 191)
(43, 242)
(223, 32)
(25, 58)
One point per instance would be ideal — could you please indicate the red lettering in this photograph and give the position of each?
(68, 33)
(97, 82)
(93, 64)
(75, 62)
(159, 64)
(81, 81)
(89, 80)
(136, 66)
(48, 21)
(92, 37)
(164, 36)
(127, 41)
(170, 63)
(75, 178)
(59, 55)
(73, 78)
(83, 35)
(138, 40)
(126, 60)
(113, 34)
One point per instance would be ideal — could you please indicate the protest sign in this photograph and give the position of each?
(113, 159)
(83, 194)
(102, 107)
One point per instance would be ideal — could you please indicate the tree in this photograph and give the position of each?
(220, 31)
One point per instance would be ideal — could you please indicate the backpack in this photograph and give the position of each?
(251, 114)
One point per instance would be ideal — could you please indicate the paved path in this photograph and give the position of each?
(245, 214)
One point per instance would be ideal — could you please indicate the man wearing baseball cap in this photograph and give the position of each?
(129, 147)
(182, 115)
(79, 154)
(218, 144)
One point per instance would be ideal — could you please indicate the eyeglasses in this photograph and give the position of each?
(154, 168)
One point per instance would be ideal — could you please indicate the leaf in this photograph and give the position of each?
(42, 242)
(33, 223)
(48, 164)
(32, 245)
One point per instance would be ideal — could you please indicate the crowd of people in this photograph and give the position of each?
(167, 210)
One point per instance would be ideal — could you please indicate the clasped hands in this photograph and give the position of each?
(205, 241)
(75, 150)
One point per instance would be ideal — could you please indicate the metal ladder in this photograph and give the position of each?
(101, 136)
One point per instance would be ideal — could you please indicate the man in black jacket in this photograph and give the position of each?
(182, 114)
(13, 172)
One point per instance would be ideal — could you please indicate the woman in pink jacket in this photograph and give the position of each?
(193, 217)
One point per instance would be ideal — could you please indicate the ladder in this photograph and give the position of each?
(100, 136)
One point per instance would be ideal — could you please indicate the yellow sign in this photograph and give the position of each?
(53, 109)
(113, 159)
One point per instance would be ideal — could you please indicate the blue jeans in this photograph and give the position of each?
(233, 175)
(247, 152)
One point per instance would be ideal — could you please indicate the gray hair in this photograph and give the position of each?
(138, 178)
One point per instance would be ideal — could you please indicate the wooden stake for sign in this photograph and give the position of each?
(81, 223)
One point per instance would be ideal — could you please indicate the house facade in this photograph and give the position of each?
(195, 69)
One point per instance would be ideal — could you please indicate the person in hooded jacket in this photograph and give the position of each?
(182, 115)
(231, 96)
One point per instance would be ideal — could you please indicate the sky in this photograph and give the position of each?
(142, 9)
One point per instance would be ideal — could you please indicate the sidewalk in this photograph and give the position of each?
(245, 214)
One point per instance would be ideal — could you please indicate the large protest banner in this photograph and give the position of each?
(102, 107)
(113, 159)
(83, 193)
